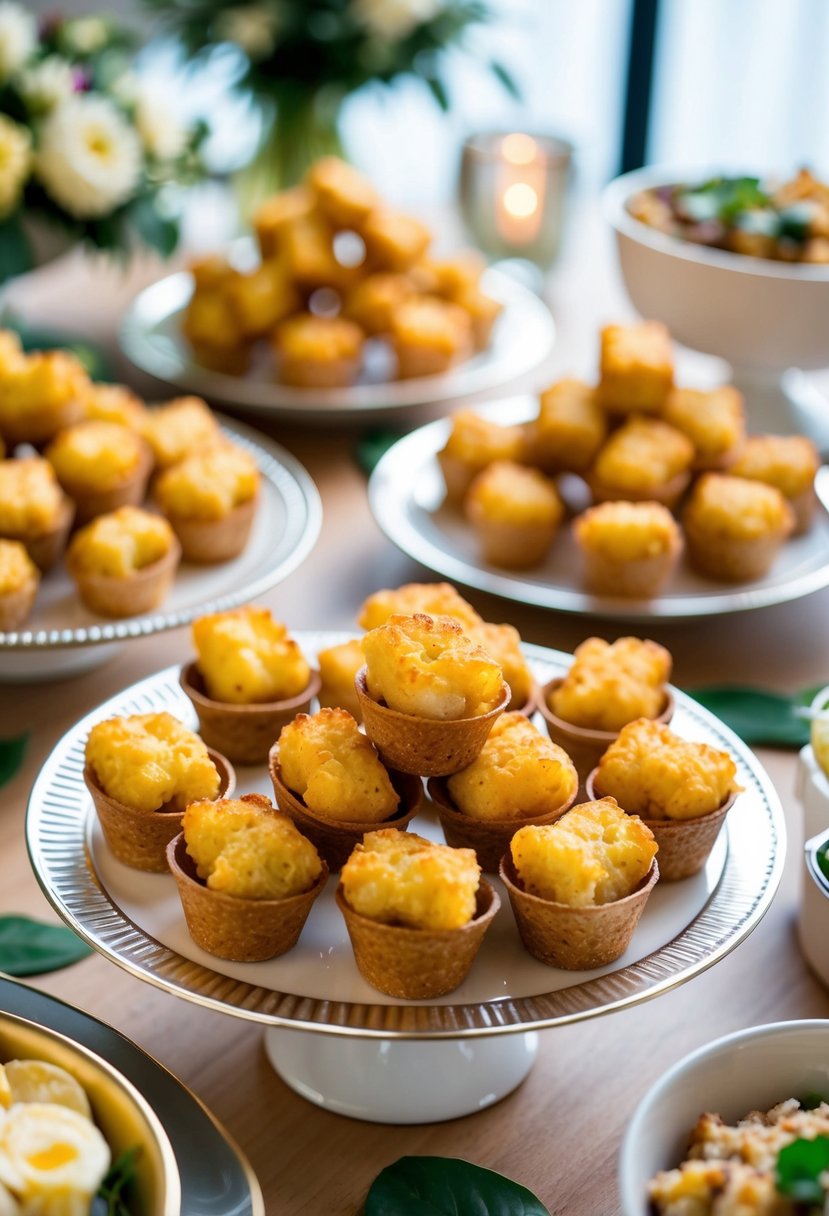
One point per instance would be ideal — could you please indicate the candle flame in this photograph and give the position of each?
(520, 200)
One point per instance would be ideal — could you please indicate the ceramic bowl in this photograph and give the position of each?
(750, 1070)
(122, 1114)
(763, 316)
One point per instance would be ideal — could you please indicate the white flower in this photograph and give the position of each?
(85, 35)
(15, 158)
(394, 20)
(89, 158)
(253, 27)
(163, 136)
(18, 37)
(44, 85)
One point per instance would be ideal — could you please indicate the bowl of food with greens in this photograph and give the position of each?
(740, 1126)
(736, 265)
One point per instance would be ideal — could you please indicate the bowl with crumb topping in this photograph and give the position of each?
(763, 314)
(714, 1134)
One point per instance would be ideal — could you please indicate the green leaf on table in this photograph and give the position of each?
(799, 1168)
(12, 752)
(29, 947)
(372, 446)
(759, 716)
(447, 1186)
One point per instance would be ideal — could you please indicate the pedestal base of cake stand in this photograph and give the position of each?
(401, 1080)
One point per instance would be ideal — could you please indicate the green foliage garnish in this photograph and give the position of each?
(822, 859)
(113, 1197)
(813, 1100)
(799, 1167)
(28, 947)
(446, 1186)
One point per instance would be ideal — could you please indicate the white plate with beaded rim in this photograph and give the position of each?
(151, 338)
(406, 494)
(135, 919)
(64, 637)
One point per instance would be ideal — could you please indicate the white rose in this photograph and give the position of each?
(253, 27)
(46, 84)
(394, 20)
(15, 158)
(18, 37)
(85, 35)
(89, 158)
(163, 136)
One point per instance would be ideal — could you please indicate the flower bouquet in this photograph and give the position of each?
(300, 59)
(87, 151)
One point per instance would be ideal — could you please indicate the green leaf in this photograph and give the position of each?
(799, 1167)
(158, 231)
(505, 76)
(15, 251)
(113, 1194)
(372, 446)
(813, 1100)
(28, 947)
(759, 716)
(446, 1186)
(12, 752)
(438, 91)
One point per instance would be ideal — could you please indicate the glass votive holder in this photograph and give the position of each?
(513, 194)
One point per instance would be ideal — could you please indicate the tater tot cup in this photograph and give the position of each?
(488, 837)
(417, 964)
(137, 838)
(639, 578)
(333, 839)
(427, 747)
(123, 597)
(130, 492)
(684, 844)
(46, 548)
(206, 542)
(668, 493)
(576, 939)
(732, 559)
(234, 928)
(16, 605)
(244, 733)
(804, 506)
(458, 475)
(585, 746)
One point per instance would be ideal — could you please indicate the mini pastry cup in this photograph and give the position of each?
(669, 493)
(137, 838)
(307, 373)
(458, 475)
(512, 545)
(583, 745)
(733, 559)
(684, 844)
(417, 964)
(641, 578)
(244, 733)
(335, 839)
(427, 747)
(414, 361)
(124, 597)
(804, 506)
(129, 493)
(46, 548)
(16, 605)
(234, 928)
(208, 541)
(575, 939)
(229, 360)
(488, 837)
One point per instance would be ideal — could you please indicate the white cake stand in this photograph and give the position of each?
(330, 1036)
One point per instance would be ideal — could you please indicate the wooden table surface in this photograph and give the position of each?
(559, 1133)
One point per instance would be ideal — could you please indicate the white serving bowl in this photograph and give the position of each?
(750, 1070)
(762, 316)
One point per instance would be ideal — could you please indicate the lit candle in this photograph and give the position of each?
(520, 189)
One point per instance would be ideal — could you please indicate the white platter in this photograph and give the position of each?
(64, 636)
(136, 920)
(406, 494)
(151, 337)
